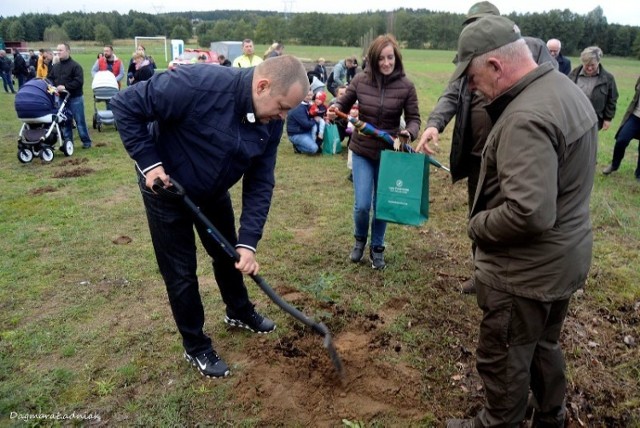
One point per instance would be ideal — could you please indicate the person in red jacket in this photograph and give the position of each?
(109, 61)
(318, 110)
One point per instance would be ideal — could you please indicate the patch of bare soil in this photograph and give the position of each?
(41, 190)
(122, 240)
(296, 375)
(75, 172)
(294, 382)
(73, 161)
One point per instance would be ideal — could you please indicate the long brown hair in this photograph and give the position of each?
(374, 52)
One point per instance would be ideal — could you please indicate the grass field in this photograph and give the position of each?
(86, 331)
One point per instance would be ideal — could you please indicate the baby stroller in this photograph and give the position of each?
(104, 86)
(35, 104)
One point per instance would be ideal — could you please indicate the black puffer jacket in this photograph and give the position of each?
(381, 107)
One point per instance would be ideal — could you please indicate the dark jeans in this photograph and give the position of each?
(7, 81)
(171, 225)
(629, 130)
(519, 348)
(21, 80)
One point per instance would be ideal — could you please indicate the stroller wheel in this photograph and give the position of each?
(95, 122)
(100, 127)
(67, 148)
(46, 154)
(25, 155)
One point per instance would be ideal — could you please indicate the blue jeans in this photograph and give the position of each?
(629, 130)
(7, 81)
(365, 185)
(75, 105)
(318, 128)
(305, 143)
(171, 225)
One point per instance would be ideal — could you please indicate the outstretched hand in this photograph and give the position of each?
(432, 135)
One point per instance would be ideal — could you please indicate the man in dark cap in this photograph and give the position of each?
(529, 220)
(472, 123)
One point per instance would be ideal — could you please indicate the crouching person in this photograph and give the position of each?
(301, 128)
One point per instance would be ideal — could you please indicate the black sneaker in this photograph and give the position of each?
(253, 321)
(376, 255)
(358, 251)
(209, 364)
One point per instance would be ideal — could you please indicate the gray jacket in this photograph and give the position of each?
(530, 219)
(456, 101)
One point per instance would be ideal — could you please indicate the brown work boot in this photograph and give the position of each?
(468, 287)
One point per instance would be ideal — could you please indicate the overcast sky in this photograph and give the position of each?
(616, 11)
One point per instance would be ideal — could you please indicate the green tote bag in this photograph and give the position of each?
(331, 143)
(403, 188)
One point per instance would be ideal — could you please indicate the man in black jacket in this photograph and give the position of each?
(564, 63)
(209, 128)
(67, 75)
(20, 68)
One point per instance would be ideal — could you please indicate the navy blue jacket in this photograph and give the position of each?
(299, 121)
(204, 134)
(564, 64)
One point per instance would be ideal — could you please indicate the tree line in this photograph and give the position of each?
(414, 28)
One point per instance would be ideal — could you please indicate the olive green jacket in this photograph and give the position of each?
(530, 218)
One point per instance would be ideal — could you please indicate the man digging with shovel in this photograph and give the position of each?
(208, 127)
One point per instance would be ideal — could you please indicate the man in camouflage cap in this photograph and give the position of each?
(529, 221)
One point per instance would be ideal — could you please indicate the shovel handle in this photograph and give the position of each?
(177, 192)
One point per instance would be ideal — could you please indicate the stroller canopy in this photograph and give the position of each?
(36, 98)
(104, 85)
(104, 79)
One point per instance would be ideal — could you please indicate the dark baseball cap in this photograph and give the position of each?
(482, 36)
(480, 9)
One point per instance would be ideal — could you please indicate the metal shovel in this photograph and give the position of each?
(177, 192)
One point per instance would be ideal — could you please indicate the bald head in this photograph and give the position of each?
(279, 84)
(554, 47)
